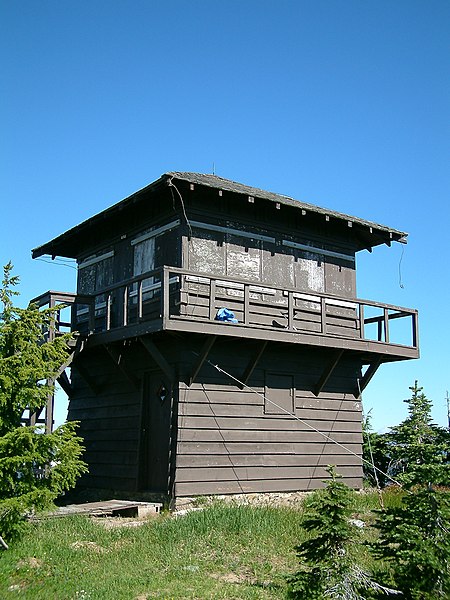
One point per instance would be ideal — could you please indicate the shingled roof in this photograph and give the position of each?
(62, 245)
(228, 185)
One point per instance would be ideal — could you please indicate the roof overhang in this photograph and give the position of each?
(366, 233)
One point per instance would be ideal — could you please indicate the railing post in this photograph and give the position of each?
(139, 300)
(386, 325)
(91, 322)
(246, 303)
(108, 312)
(165, 310)
(125, 306)
(290, 311)
(361, 321)
(323, 315)
(212, 299)
(415, 331)
(52, 322)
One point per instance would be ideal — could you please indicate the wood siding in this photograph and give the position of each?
(228, 442)
(268, 261)
(125, 422)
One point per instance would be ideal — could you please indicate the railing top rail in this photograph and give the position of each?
(86, 298)
(62, 298)
(261, 284)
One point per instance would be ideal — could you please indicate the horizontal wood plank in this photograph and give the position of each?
(235, 473)
(254, 435)
(264, 460)
(256, 486)
(287, 424)
(233, 448)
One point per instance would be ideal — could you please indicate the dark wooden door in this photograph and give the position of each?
(155, 433)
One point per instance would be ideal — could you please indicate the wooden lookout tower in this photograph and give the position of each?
(221, 347)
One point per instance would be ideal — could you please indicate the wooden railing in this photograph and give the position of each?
(172, 293)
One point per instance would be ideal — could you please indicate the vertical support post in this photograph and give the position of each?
(386, 325)
(49, 408)
(33, 418)
(50, 382)
(323, 315)
(380, 330)
(53, 320)
(361, 321)
(246, 303)
(290, 311)
(212, 299)
(415, 329)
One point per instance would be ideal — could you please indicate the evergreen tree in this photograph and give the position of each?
(415, 543)
(419, 448)
(34, 468)
(414, 538)
(328, 566)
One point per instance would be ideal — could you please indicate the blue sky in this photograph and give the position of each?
(341, 104)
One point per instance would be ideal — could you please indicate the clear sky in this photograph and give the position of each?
(344, 104)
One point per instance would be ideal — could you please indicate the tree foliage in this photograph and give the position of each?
(376, 451)
(34, 468)
(420, 449)
(328, 564)
(415, 451)
(414, 538)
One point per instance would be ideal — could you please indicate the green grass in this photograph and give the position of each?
(221, 552)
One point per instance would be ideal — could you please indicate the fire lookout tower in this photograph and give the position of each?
(159, 275)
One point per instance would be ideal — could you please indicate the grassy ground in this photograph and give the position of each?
(223, 552)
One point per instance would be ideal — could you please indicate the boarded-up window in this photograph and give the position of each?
(143, 261)
(309, 271)
(144, 256)
(243, 257)
(279, 394)
(152, 252)
(277, 266)
(95, 273)
(207, 251)
(340, 278)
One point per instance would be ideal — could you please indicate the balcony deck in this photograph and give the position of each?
(175, 299)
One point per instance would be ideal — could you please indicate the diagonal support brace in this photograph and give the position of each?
(371, 370)
(117, 357)
(328, 371)
(65, 383)
(251, 366)
(158, 358)
(202, 357)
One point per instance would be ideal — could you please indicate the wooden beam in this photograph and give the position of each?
(328, 371)
(65, 383)
(371, 370)
(158, 358)
(34, 416)
(117, 357)
(253, 362)
(202, 357)
(49, 408)
(64, 366)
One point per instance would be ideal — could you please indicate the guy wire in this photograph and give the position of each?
(303, 422)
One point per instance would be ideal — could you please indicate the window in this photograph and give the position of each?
(279, 394)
